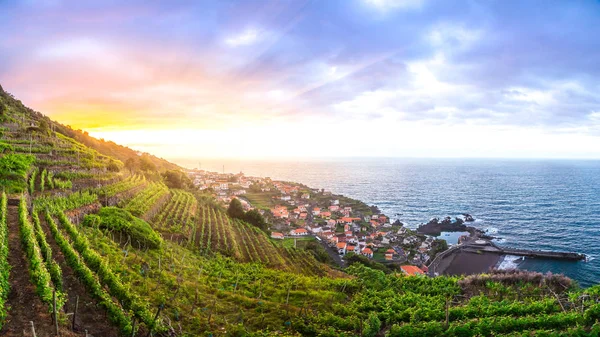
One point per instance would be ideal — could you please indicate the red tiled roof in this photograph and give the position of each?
(412, 270)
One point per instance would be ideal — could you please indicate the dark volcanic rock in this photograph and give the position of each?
(435, 227)
(468, 217)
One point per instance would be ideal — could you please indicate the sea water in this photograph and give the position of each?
(535, 204)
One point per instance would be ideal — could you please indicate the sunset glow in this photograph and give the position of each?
(312, 79)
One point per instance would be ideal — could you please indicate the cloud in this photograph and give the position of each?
(246, 38)
(387, 5)
(218, 65)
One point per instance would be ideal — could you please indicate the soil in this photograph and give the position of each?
(25, 306)
(23, 303)
(89, 316)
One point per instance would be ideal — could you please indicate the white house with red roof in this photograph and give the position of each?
(299, 232)
(368, 252)
(276, 235)
(341, 247)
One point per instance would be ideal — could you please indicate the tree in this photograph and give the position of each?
(114, 166)
(255, 218)
(176, 179)
(131, 165)
(44, 127)
(146, 163)
(236, 210)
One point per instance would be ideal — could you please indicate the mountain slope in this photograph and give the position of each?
(146, 258)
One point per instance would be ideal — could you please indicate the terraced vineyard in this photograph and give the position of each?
(194, 271)
(179, 214)
(147, 201)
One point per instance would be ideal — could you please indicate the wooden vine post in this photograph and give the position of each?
(54, 312)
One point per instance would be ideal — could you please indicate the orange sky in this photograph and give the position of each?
(309, 79)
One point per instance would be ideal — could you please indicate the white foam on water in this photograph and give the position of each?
(499, 240)
(491, 230)
(510, 262)
(589, 258)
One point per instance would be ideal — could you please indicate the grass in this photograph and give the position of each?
(262, 200)
(300, 242)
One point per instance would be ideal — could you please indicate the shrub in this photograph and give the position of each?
(120, 220)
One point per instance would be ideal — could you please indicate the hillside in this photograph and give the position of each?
(129, 250)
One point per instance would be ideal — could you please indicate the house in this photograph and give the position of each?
(412, 270)
(276, 235)
(286, 197)
(239, 192)
(348, 234)
(316, 211)
(299, 232)
(424, 247)
(223, 186)
(316, 230)
(325, 215)
(352, 249)
(334, 208)
(303, 216)
(368, 252)
(302, 208)
(335, 202)
(305, 196)
(280, 212)
(327, 234)
(349, 220)
(341, 247)
(348, 209)
(389, 254)
(331, 222)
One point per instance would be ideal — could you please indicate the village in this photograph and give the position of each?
(341, 224)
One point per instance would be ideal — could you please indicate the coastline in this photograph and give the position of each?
(297, 208)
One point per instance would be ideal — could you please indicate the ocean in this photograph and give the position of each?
(536, 204)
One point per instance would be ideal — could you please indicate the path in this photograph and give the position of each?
(90, 317)
(24, 304)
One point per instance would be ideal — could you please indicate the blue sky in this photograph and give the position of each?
(314, 78)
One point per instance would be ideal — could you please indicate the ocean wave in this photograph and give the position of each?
(510, 262)
(491, 230)
(589, 258)
(499, 240)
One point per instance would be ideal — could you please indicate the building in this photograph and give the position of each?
(278, 236)
(389, 254)
(368, 252)
(341, 247)
(412, 270)
(299, 232)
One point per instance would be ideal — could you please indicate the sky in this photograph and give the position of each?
(296, 79)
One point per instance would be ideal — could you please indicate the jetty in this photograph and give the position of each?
(478, 255)
(481, 246)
